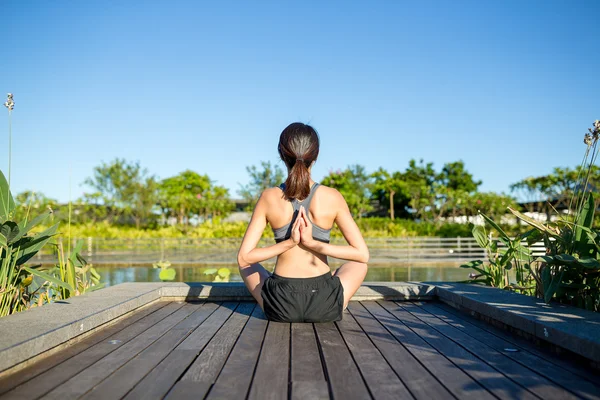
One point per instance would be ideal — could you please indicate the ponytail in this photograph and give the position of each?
(298, 148)
(297, 185)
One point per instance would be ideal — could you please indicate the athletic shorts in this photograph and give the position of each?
(317, 299)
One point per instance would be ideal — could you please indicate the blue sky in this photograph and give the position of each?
(509, 87)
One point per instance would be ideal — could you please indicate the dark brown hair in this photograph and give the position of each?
(298, 148)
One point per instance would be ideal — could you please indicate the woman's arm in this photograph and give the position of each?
(356, 250)
(249, 253)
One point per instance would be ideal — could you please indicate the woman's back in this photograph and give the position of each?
(302, 288)
(323, 203)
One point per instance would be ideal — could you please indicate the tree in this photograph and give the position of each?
(30, 203)
(385, 188)
(125, 188)
(260, 179)
(454, 176)
(419, 179)
(181, 195)
(355, 185)
(452, 188)
(557, 187)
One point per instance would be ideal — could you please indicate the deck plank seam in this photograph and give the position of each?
(450, 360)
(88, 346)
(410, 352)
(514, 340)
(144, 349)
(514, 359)
(470, 352)
(289, 383)
(353, 358)
(202, 304)
(203, 347)
(375, 345)
(201, 350)
(188, 367)
(475, 380)
(109, 353)
(257, 361)
(330, 385)
(523, 349)
(323, 365)
(230, 350)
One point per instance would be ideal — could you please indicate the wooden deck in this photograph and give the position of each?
(381, 350)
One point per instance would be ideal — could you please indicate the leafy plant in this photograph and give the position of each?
(17, 247)
(504, 254)
(569, 272)
(218, 275)
(166, 272)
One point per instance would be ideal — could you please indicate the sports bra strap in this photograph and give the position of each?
(306, 202)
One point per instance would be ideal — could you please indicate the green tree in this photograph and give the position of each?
(452, 188)
(419, 179)
(181, 195)
(261, 178)
(215, 202)
(125, 189)
(28, 202)
(454, 176)
(557, 187)
(355, 185)
(391, 189)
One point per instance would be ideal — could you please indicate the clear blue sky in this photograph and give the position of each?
(510, 87)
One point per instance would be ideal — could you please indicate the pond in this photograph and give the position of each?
(113, 275)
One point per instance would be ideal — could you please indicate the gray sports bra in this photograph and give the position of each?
(285, 231)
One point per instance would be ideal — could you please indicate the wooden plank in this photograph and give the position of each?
(234, 380)
(190, 390)
(271, 377)
(79, 384)
(11, 381)
(209, 363)
(341, 370)
(306, 361)
(381, 380)
(158, 382)
(499, 341)
(519, 342)
(119, 384)
(59, 374)
(313, 390)
(418, 365)
(200, 337)
(483, 373)
(522, 382)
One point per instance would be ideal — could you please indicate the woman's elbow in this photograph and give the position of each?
(242, 263)
(365, 256)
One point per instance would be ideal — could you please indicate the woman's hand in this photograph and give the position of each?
(306, 228)
(296, 236)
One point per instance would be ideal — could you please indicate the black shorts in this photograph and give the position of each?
(318, 299)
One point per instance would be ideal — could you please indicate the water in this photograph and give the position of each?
(113, 275)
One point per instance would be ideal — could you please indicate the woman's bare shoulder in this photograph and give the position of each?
(330, 194)
(272, 194)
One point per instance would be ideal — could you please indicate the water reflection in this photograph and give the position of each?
(113, 275)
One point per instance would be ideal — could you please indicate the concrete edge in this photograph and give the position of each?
(39, 330)
(568, 327)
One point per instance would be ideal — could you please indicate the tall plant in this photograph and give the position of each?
(17, 246)
(570, 270)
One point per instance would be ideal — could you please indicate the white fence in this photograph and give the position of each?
(405, 250)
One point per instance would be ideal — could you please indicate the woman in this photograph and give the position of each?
(302, 213)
